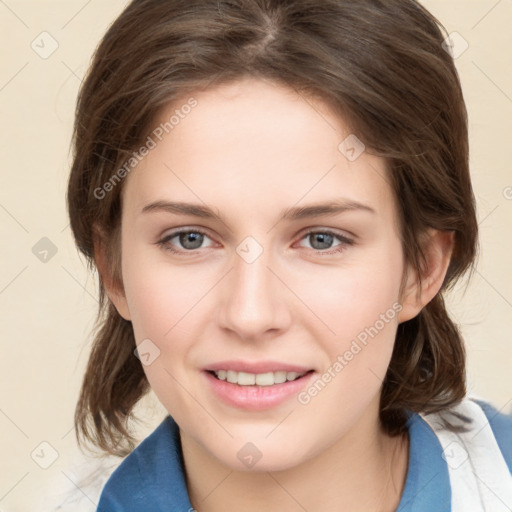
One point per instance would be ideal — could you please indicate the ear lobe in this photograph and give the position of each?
(438, 251)
(113, 287)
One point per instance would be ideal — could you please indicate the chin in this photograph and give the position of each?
(261, 456)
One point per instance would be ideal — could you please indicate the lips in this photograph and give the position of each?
(256, 397)
(256, 385)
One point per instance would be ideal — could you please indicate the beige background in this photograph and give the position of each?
(48, 307)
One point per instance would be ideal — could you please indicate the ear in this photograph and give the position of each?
(112, 283)
(438, 248)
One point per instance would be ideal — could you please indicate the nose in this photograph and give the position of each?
(255, 302)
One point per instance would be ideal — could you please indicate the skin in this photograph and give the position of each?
(249, 150)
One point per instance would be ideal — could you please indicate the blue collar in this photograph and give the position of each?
(427, 486)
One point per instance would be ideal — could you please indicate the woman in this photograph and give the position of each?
(276, 196)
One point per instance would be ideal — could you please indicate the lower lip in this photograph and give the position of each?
(256, 398)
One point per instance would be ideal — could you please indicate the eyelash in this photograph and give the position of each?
(164, 242)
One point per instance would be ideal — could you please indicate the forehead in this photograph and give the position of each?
(255, 146)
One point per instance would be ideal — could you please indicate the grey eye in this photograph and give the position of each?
(320, 240)
(191, 240)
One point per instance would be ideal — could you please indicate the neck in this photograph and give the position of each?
(364, 471)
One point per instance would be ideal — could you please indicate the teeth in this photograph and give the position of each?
(259, 379)
(246, 379)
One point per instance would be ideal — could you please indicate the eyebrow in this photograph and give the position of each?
(330, 208)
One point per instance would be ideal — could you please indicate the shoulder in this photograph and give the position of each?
(437, 453)
(501, 425)
(483, 426)
(151, 474)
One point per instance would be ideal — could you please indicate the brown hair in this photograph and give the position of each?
(379, 63)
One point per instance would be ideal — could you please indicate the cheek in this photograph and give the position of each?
(360, 304)
(162, 301)
(363, 312)
(353, 297)
(167, 306)
(159, 295)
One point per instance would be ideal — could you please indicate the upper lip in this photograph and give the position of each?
(256, 367)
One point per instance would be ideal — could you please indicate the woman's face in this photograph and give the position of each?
(292, 263)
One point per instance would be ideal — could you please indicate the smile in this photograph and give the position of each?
(256, 391)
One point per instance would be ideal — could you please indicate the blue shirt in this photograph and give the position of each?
(151, 478)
